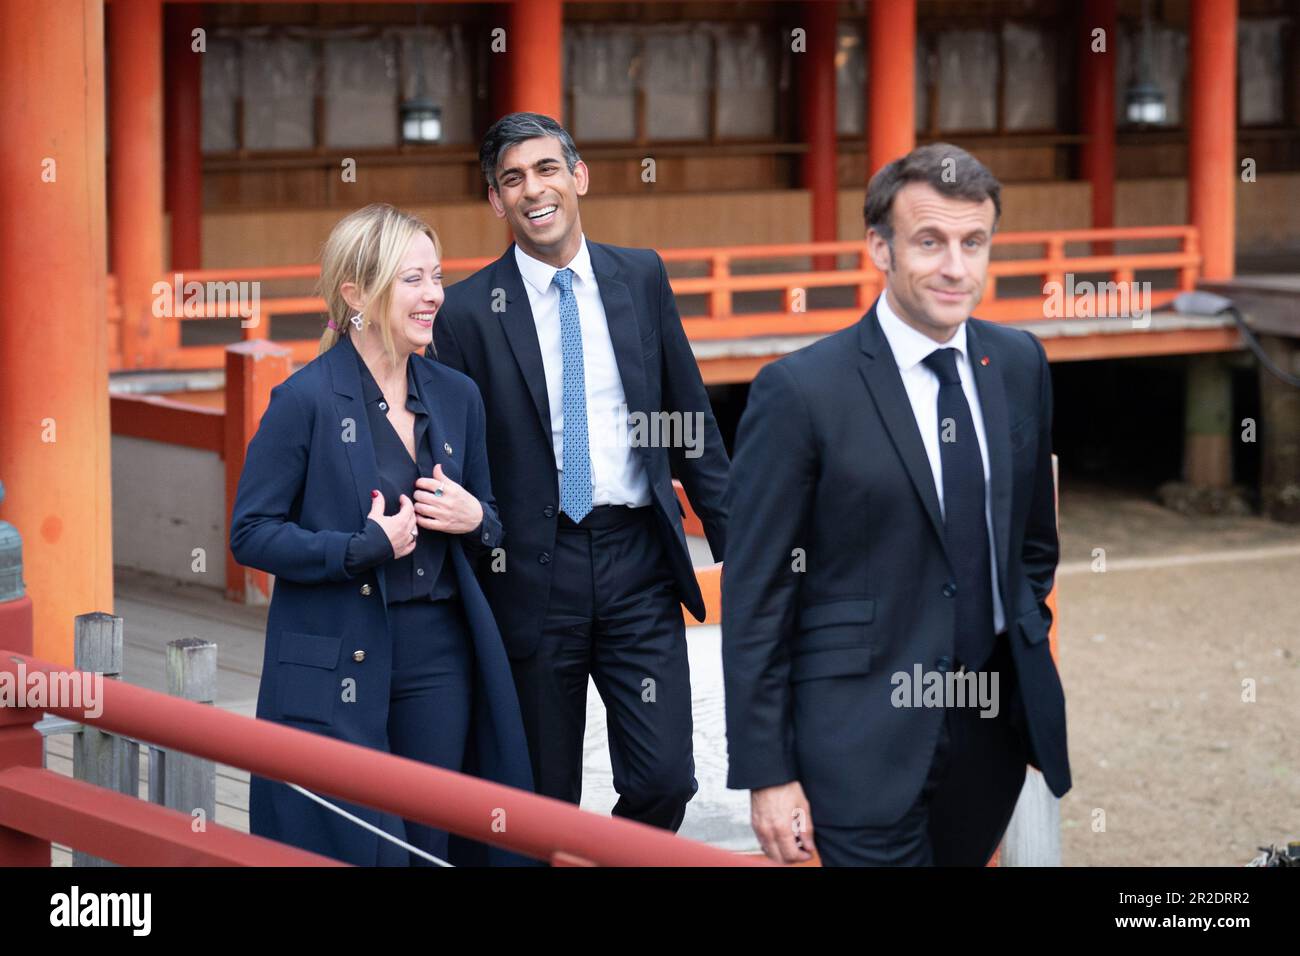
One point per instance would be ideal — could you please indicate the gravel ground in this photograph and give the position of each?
(1171, 765)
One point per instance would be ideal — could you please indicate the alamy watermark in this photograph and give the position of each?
(949, 688)
(216, 300)
(659, 429)
(1098, 300)
(44, 690)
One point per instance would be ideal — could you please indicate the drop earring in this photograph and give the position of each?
(357, 321)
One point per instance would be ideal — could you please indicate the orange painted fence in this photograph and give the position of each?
(725, 273)
(39, 807)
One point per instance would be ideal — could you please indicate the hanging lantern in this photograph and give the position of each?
(421, 121)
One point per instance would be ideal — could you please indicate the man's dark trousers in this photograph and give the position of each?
(613, 613)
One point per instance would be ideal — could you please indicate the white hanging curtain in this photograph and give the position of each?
(1029, 90)
(1259, 62)
(850, 79)
(968, 77)
(279, 88)
(678, 73)
(221, 72)
(360, 90)
(746, 83)
(600, 62)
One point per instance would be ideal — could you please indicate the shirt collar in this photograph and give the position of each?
(370, 390)
(539, 274)
(909, 346)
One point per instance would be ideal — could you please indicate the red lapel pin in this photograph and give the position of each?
(984, 360)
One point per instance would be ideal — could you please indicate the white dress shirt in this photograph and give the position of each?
(910, 348)
(617, 477)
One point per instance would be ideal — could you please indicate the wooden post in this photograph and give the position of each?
(817, 123)
(535, 57)
(54, 428)
(135, 173)
(1279, 411)
(1207, 447)
(252, 370)
(100, 758)
(1096, 71)
(188, 783)
(891, 81)
(183, 106)
(1212, 170)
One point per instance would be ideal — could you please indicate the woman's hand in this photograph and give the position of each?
(400, 527)
(443, 505)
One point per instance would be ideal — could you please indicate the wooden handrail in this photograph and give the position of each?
(722, 279)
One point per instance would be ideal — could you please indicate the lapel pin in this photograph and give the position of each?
(447, 448)
(984, 360)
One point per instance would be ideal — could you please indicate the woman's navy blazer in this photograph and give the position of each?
(305, 489)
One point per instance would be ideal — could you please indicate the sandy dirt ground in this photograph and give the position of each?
(1173, 764)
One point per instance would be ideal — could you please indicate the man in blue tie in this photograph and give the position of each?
(594, 403)
(884, 633)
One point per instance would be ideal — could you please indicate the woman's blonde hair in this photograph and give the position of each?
(366, 248)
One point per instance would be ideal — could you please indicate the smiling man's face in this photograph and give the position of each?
(940, 259)
(538, 196)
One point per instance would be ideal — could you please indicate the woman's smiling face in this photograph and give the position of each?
(417, 296)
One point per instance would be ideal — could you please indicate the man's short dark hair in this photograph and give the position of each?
(513, 129)
(950, 170)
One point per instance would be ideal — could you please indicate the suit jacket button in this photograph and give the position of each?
(366, 589)
(548, 511)
(949, 589)
(942, 664)
(544, 558)
(358, 656)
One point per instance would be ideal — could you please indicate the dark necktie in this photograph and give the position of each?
(965, 526)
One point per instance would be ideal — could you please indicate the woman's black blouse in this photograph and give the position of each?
(425, 573)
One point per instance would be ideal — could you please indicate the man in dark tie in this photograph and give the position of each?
(887, 669)
(594, 403)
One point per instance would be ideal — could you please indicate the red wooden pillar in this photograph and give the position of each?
(535, 58)
(1097, 111)
(54, 426)
(183, 146)
(135, 172)
(891, 81)
(1212, 172)
(817, 122)
(252, 370)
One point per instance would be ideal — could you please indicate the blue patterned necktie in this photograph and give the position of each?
(965, 525)
(575, 481)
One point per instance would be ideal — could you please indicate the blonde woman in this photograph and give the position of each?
(365, 492)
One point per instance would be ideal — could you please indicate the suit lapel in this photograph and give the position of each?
(521, 332)
(997, 432)
(880, 371)
(437, 437)
(354, 430)
(620, 317)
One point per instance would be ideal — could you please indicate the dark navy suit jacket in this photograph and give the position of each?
(304, 491)
(837, 576)
(486, 329)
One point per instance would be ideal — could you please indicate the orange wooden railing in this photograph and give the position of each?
(725, 272)
(39, 807)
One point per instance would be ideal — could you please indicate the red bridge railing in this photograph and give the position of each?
(717, 274)
(38, 806)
